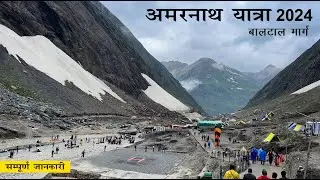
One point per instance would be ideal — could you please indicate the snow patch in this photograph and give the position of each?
(159, 95)
(232, 80)
(42, 54)
(307, 88)
(190, 84)
(239, 88)
(194, 115)
(218, 66)
(233, 72)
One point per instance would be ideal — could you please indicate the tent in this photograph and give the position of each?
(298, 127)
(270, 114)
(240, 122)
(272, 138)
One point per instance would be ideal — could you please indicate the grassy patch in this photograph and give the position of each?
(13, 86)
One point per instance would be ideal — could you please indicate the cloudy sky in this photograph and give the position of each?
(226, 41)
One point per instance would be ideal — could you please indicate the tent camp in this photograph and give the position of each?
(272, 138)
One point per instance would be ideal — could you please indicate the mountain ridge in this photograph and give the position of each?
(215, 86)
(300, 73)
(96, 40)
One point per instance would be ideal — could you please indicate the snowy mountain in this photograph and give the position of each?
(293, 91)
(265, 75)
(300, 73)
(216, 87)
(79, 59)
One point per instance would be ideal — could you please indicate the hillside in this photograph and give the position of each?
(216, 87)
(79, 59)
(265, 75)
(302, 72)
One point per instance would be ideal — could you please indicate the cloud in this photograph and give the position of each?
(227, 41)
(189, 85)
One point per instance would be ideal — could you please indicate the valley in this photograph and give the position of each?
(76, 84)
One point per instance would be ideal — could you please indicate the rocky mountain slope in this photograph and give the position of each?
(216, 87)
(78, 57)
(293, 91)
(265, 75)
(302, 72)
(293, 96)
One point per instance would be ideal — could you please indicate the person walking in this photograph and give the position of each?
(300, 173)
(283, 175)
(135, 147)
(52, 152)
(29, 147)
(274, 175)
(105, 147)
(254, 154)
(270, 156)
(231, 173)
(83, 153)
(264, 175)
(152, 148)
(263, 156)
(11, 154)
(249, 175)
(259, 152)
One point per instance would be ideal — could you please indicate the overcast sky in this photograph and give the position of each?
(226, 41)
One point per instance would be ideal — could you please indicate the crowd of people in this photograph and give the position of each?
(262, 155)
(74, 142)
(233, 174)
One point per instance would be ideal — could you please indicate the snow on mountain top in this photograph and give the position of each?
(42, 54)
(307, 88)
(159, 95)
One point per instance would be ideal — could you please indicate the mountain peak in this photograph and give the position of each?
(271, 66)
(206, 60)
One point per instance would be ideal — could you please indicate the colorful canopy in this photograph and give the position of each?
(271, 137)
